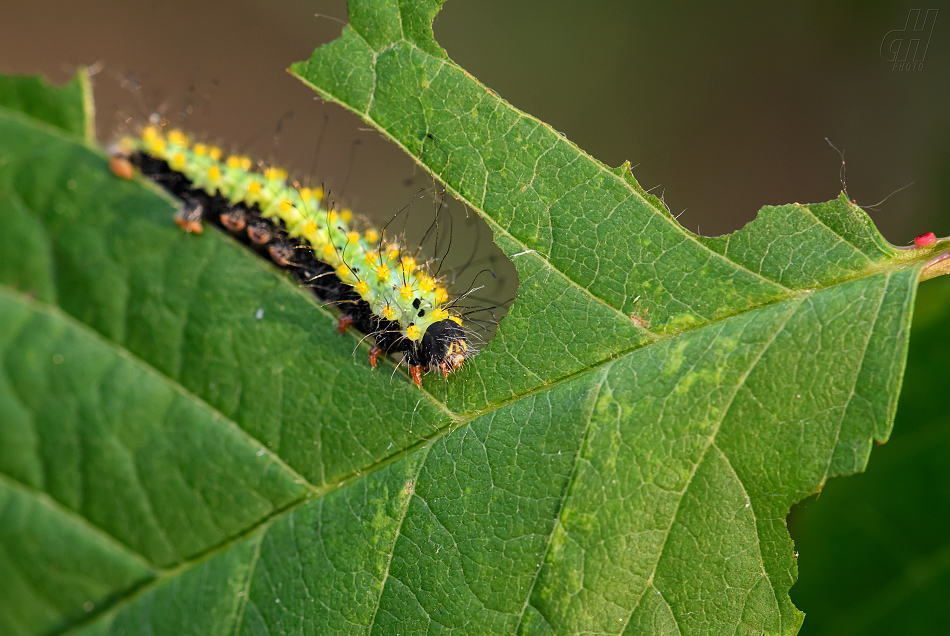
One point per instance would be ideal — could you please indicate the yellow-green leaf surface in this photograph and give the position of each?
(187, 446)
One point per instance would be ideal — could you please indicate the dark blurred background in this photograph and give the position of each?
(722, 107)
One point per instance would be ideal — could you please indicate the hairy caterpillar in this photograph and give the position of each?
(385, 291)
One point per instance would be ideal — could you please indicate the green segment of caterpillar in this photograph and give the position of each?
(385, 275)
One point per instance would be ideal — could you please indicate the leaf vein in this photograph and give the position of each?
(578, 455)
(45, 499)
(792, 310)
(245, 594)
(392, 551)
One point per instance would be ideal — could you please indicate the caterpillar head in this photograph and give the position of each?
(445, 345)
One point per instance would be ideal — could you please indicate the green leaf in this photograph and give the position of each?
(621, 457)
(67, 107)
(874, 550)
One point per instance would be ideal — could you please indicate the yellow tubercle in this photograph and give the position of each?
(406, 291)
(441, 295)
(215, 153)
(214, 173)
(456, 320)
(178, 138)
(329, 250)
(426, 283)
(382, 272)
(157, 147)
(412, 332)
(408, 264)
(237, 161)
(254, 187)
(439, 314)
(200, 149)
(362, 288)
(178, 161)
(313, 235)
(371, 236)
(346, 215)
(289, 213)
(344, 273)
(352, 237)
(389, 312)
(151, 133)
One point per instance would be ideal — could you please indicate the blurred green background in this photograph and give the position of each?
(722, 108)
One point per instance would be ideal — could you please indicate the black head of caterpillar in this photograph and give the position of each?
(445, 345)
(385, 293)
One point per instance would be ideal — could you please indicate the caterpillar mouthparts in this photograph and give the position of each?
(383, 290)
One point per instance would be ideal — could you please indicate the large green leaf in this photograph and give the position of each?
(620, 458)
(875, 553)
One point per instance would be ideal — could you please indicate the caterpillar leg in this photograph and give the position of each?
(189, 217)
(416, 373)
(374, 354)
(260, 232)
(121, 167)
(281, 253)
(233, 219)
(344, 322)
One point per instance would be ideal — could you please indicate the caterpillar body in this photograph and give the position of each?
(382, 289)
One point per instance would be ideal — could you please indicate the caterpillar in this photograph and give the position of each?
(386, 292)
